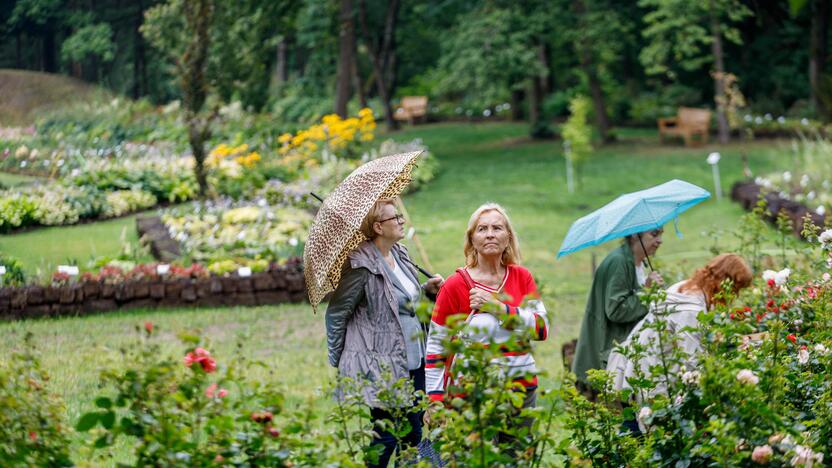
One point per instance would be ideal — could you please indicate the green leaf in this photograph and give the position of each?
(102, 441)
(103, 402)
(87, 422)
(108, 419)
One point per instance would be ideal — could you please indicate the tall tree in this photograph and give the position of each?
(183, 29)
(382, 52)
(680, 30)
(346, 57)
(597, 35)
(488, 57)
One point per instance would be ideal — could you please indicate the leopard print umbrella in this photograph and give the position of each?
(335, 232)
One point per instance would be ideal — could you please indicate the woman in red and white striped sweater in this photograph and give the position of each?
(492, 257)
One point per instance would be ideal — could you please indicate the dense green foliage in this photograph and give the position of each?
(468, 56)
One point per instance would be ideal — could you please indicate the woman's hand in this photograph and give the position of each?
(654, 278)
(434, 283)
(479, 298)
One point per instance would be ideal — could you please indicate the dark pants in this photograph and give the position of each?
(387, 439)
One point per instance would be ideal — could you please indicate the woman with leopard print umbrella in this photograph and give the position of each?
(373, 334)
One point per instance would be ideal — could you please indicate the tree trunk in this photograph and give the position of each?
(357, 83)
(281, 69)
(192, 70)
(139, 65)
(602, 121)
(535, 100)
(50, 63)
(18, 51)
(346, 41)
(545, 79)
(378, 53)
(817, 53)
(517, 96)
(719, 85)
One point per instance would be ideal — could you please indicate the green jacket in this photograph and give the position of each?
(613, 309)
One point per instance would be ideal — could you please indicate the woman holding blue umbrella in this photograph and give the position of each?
(614, 308)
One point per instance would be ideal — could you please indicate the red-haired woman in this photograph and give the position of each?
(685, 300)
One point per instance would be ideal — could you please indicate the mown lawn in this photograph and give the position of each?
(479, 163)
(42, 249)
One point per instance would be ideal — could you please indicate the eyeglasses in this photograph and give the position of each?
(399, 219)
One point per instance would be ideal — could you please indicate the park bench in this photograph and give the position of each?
(412, 108)
(689, 122)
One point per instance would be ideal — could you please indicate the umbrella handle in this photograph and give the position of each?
(650, 264)
(421, 270)
(317, 197)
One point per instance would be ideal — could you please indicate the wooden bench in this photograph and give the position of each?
(412, 108)
(689, 122)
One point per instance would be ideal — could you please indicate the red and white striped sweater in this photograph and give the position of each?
(518, 284)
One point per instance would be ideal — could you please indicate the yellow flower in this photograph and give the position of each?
(285, 138)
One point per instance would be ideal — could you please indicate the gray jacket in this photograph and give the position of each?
(364, 335)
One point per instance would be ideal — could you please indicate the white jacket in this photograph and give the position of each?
(682, 310)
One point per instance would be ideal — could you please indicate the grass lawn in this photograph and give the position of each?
(9, 180)
(41, 250)
(479, 163)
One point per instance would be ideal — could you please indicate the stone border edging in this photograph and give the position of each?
(279, 285)
(152, 230)
(748, 193)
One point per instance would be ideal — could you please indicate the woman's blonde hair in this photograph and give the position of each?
(709, 278)
(510, 256)
(373, 216)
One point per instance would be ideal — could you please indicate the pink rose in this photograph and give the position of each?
(762, 454)
(212, 392)
(222, 393)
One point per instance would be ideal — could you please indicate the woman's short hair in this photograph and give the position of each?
(709, 278)
(510, 256)
(372, 217)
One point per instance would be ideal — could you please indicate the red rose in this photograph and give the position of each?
(33, 436)
(771, 283)
(274, 432)
(203, 357)
(262, 417)
(792, 338)
(148, 326)
(208, 364)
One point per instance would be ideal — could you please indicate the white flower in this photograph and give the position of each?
(691, 377)
(811, 195)
(713, 158)
(787, 176)
(782, 276)
(747, 377)
(747, 118)
(60, 162)
(2, 270)
(821, 210)
(804, 180)
(826, 277)
(803, 356)
(781, 119)
(486, 113)
(804, 121)
(805, 456)
(75, 173)
(293, 242)
(678, 400)
(769, 275)
(162, 269)
(758, 120)
(762, 454)
(22, 163)
(821, 349)
(825, 237)
(768, 116)
(644, 414)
